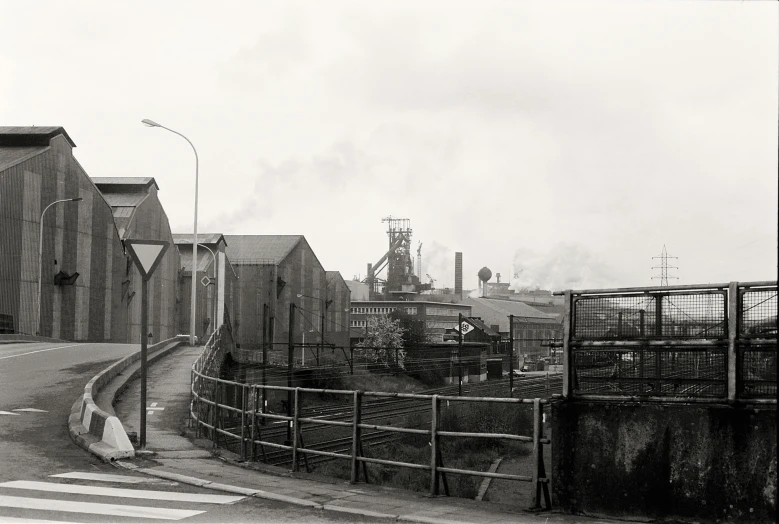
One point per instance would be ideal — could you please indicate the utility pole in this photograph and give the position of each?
(664, 267)
(460, 353)
(290, 361)
(511, 355)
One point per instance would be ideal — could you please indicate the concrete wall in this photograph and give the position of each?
(694, 461)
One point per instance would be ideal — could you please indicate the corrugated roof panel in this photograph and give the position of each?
(202, 238)
(260, 248)
(122, 212)
(12, 155)
(204, 258)
(124, 199)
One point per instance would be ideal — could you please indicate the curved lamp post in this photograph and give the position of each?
(40, 259)
(152, 123)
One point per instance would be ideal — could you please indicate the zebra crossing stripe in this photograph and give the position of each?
(80, 489)
(104, 477)
(93, 508)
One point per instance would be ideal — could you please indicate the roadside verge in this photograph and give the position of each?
(97, 431)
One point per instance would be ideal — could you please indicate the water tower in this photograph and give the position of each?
(484, 275)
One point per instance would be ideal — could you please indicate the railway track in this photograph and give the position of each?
(379, 411)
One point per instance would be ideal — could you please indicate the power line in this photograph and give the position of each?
(664, 267)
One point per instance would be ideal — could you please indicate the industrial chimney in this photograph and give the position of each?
(458, 274)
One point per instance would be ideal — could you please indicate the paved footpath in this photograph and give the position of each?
(178, 458)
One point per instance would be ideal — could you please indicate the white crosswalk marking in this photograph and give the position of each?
(105, 477)
(93, 508)
(81, 489)
(78, 502)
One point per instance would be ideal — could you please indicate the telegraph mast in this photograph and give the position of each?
(664, 267)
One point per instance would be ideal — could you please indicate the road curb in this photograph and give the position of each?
(358, 511)
(98, 432)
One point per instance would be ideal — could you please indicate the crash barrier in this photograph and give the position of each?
(216, 402)
(686, 343)
(97, 431)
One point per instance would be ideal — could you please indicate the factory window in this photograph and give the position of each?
(440, 324)
(443, 311)
(411, 311)
(358, 323)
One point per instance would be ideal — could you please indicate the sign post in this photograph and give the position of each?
(147, 255)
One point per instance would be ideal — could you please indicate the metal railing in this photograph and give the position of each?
(232, 411)
(688, 343)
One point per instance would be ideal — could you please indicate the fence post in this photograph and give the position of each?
(243, 422)
(356, 435)
(733, 368)
(537, 457)
(658, 385)
(213, 412)
(511, 355)
(567, 358)
(434, 446)
(295, 431)
(351, 361)
(641, 334)
(254, 422)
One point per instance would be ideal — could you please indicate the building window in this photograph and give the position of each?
(443, 311)
(411, 311)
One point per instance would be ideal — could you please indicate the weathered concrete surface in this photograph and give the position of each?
(695, 461)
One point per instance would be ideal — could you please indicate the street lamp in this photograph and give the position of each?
(40, 259)
(215, 283)
(152, 123)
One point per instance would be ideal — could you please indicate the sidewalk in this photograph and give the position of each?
(178, 458)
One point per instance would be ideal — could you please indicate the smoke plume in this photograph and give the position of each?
(565, 266)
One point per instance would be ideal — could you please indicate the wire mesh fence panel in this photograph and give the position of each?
(758, 370)
(697, 315)
(758, 312)
(629, 316)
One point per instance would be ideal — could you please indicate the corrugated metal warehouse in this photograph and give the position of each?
(37, 168)
(138, 214)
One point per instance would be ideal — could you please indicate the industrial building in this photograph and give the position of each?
(274, 271)
(533, 329)
(216, 280)
(138, 214)
(438, 317)
(78, 261)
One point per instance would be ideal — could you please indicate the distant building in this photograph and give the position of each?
(216, 285)
(438, 317)
(358, 290)
(533, 329)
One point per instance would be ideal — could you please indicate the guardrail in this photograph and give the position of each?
(209, 406)
(673, 343)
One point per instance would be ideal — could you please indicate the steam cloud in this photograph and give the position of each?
(565, 266)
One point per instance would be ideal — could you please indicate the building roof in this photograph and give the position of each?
(484, 327)
(24, 136)
(204, 257)
(10, 156)
(202, 238)
(115, 183)
(496, 312)
(124, 199)
(248, 249)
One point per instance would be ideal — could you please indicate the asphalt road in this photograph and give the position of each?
(38, 384)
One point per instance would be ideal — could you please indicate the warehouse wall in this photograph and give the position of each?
(77, 237)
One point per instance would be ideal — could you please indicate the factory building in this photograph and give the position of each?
(216, 281)
(80, 246)
(533, 329)
(273, 272)
(138, 214)
(438, 317)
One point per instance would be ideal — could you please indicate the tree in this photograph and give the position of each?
(414, 332)
(384, 342)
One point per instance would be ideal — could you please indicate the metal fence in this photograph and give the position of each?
(691, 343)
(233, 414)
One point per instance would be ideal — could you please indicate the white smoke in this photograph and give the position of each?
(438, 262)
(565, 266)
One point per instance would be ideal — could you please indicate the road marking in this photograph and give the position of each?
(104, 477)
(29, 521)
(32, 410)
(95, 508)
(40, 351)
(79, 489)
(9, 413)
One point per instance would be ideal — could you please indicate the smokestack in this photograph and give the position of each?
(458, 274)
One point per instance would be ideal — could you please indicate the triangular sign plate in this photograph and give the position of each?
(146, 254)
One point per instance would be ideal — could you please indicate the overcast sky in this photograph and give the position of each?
(563, 142)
